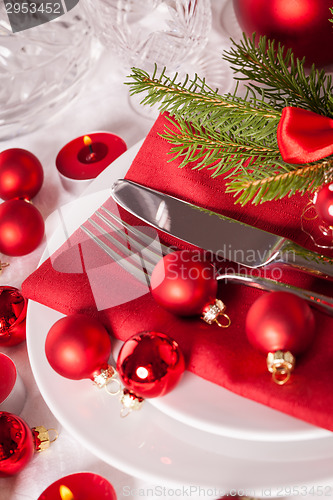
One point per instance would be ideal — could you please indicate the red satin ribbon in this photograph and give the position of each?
(304, 136)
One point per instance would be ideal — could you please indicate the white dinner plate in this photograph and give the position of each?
(248, 444)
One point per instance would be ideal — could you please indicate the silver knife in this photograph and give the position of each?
(233, 240)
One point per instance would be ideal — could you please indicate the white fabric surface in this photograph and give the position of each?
(102, 105)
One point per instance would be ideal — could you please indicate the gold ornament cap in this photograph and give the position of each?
(104, 375)
(42, 438)
(130, 402)
(280, 364)
(3, 265)
(214, 311)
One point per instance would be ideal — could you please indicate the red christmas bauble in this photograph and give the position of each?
(13, 309)
(323, 203)
(150, 364)
(21, 227)
(280, 321)
(302, 25)
(21, 174)
(78, 347)
(183, 284)
(16, 444)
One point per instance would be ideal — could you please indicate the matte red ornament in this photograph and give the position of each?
(78, 347)
(13, 309)
(323, 203)
(21, 227)
(279, 323)
(302, 25)
(150, 364)
(185, 285)
(21, 174)
(16, 444)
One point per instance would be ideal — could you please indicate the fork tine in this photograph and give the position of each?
(139, 261)
(137, 272)
(155, 246)
(150, 257)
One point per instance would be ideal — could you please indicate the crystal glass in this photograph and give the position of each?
(145, 32)
(40, 70)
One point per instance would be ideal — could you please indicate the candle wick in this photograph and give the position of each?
(92, 155)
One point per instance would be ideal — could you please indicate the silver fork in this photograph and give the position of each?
(138, 254)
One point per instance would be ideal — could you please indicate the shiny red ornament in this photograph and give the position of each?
(78, 347)
(302, 25)
(21, 174)
(16, 444)
(150, 364)
(281, 325)
(21, 227)
(13, 309)
(323, 203)
(185, 285)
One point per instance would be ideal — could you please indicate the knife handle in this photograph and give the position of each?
(317, 300)
(310, 262)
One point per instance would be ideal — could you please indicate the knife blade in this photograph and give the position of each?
(225, 237)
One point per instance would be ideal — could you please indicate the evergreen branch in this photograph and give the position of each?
(283, 77)
(219, 150)
(193, 97)
(237, 136)
(308, 177)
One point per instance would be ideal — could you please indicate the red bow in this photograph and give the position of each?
(304, 136)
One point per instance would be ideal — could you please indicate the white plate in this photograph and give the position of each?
(167, 449)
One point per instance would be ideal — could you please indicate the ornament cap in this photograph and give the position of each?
(3, 265)
(41, 437)
(104, 375)
(280, 364)
(214, 311)
(130, 402)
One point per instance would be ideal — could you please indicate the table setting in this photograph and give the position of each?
(121, 375)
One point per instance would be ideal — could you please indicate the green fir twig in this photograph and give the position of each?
(236, 135)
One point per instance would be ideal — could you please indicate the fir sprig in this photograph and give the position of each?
(236, 135)
(284, 77)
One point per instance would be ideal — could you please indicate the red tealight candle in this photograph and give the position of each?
(12, 390)
(84, 158)
(80, 486)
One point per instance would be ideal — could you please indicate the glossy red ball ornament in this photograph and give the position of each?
(21, 227)
(78, 347)
(16, 444)
(150, 364)
(302, 25)
(323, 203)
(281, 325)
(21, 174)
(183, 284)
(13, 309)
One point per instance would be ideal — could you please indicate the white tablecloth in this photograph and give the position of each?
(102, 104)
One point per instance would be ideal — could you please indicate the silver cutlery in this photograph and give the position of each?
(235, 241)
(138, 253)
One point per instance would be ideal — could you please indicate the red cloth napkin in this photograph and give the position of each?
(79, 277)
